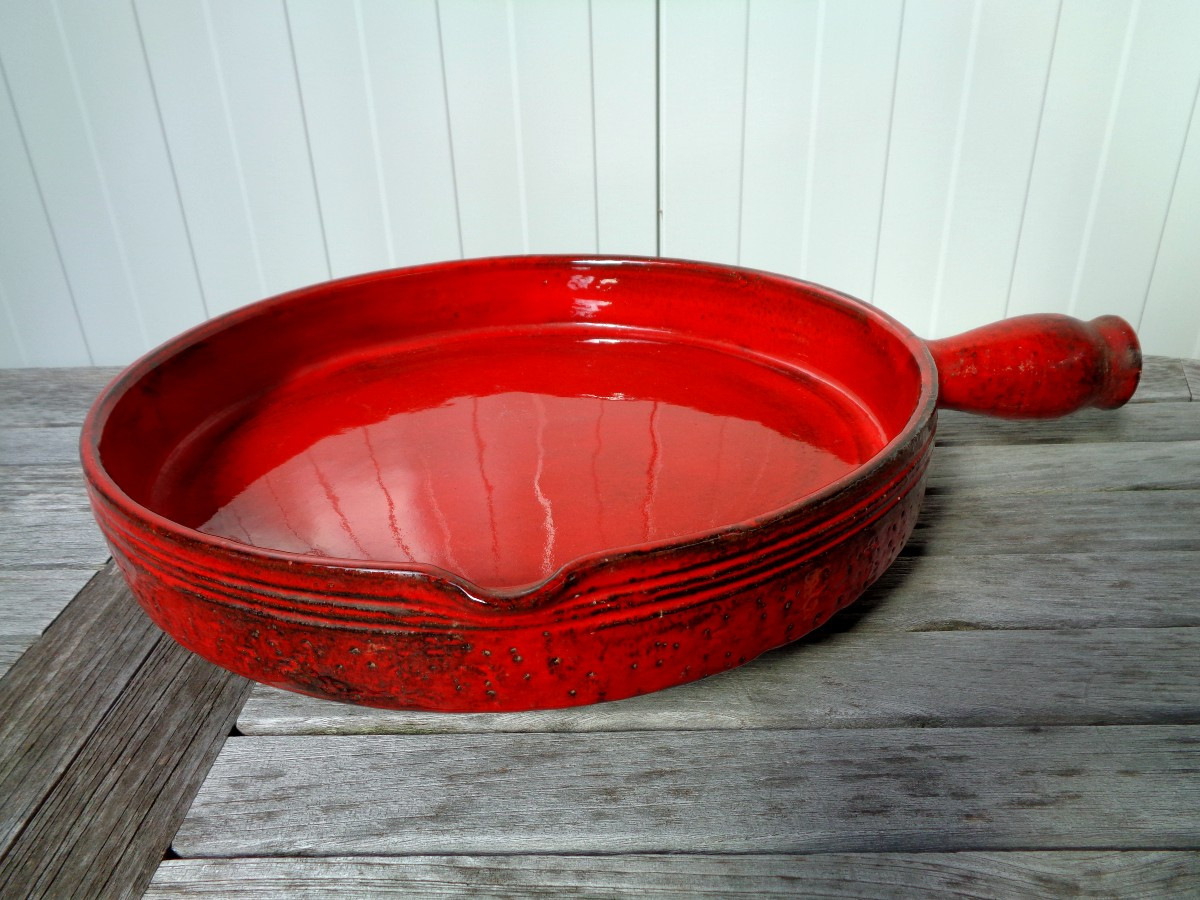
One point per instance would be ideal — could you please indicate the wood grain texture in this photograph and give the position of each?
(1191, 372)
(1167, 421)
(1162, 380)
(851, 680)
(34, 747)
(1040, 469)
(11, 648)
(875, 875)
(31, 598)
(107, 728)
(60, 396)
(21, 446)
(1100, 522)
(706, 791)
(45, 519)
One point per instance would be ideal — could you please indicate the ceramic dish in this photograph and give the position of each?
(534, 482)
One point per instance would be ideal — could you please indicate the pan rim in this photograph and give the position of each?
(100, 481)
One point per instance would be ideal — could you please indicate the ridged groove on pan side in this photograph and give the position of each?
(727, 564)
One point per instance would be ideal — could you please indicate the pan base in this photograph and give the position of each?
(501, 455)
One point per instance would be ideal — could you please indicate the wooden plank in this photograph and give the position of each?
(11, 648)
(1131, 589)
(45, 519)
(1065, 467)
(851, 680)
(51, 540)
(95, 666)
(34, 446)
(1135, 422)
(31, 598)
(30, 397)
(874, 875)
(1191, 372)
(1162, 380)
(742, 791)
(977, 524)
(106, 730)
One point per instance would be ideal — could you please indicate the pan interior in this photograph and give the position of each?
(503, 453)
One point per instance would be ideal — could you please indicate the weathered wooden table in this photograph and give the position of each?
(1013, 710)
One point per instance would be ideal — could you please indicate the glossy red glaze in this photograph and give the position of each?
(1038, 367)
(521, 483)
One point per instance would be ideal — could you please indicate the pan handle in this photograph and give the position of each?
(1038, 367)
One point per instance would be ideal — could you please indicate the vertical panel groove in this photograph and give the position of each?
(162, 130)
(373, 124)
(741, 202)
(960, 128)
(101, 179)
(814, 113)
(37, 183)
(887, 152)
(1102, 163)
(1167, 212)
(518, 128)
(1037, 137)
(312, 165)
(235, 153)
(437, 11)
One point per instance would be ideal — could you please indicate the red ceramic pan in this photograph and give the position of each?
(534, 482)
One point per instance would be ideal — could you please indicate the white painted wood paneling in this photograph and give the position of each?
(702, 116)
(1172, 313)
(87, 114)
(937, 57)
(1145, 141)
(39, 324)
(625, 105)
(994, 153)
(481, 99)
(782, 59)
(374, 97)
(954, 161)
(1108, 152)
(858, 47)
(551, 65)
(226, 85)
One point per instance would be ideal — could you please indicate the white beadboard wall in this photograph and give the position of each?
(953, 161)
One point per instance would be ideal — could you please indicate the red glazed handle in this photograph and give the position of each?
(1038, 367)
